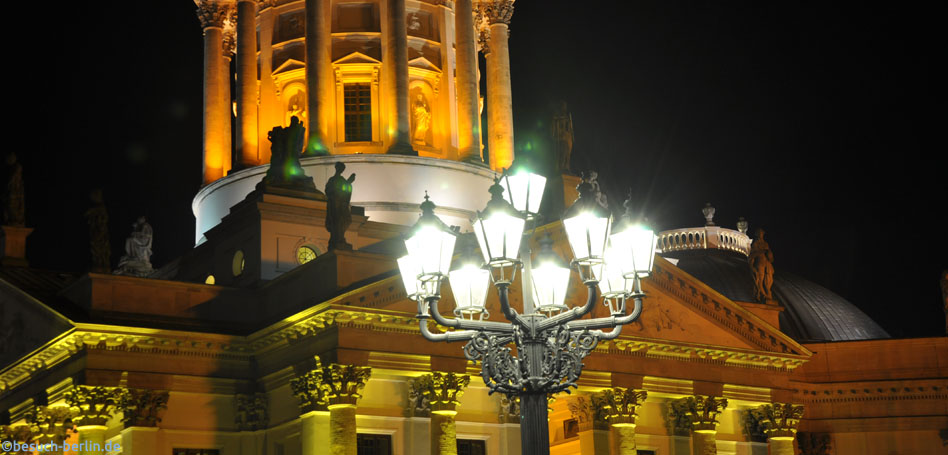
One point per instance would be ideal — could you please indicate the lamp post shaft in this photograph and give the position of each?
(534, 426)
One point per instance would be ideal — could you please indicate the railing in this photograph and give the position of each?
(703, 238)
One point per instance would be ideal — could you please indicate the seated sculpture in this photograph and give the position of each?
(137, 258)
(285, 149)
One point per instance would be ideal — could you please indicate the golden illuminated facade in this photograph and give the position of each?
(259, 341)
(365, 77)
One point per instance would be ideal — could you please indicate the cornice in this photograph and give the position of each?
(924, 389)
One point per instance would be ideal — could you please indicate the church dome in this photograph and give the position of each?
(718, 257)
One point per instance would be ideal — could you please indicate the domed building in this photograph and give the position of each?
(718, 257)
(287, 329)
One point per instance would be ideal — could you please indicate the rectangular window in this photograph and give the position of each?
(374, 444)
(358, 111)
(472, 447)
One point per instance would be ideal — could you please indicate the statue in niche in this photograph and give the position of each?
(137, 258)
(13, 206)
(338, 211)
(285, 169)
(562, 129)
(761, 261)
(421, 114)
(296, 107)
(97, 217)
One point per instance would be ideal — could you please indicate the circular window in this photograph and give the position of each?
(238, 263)
(305, 254)
(209, 280)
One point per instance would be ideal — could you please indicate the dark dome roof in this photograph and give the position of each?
(811, 312)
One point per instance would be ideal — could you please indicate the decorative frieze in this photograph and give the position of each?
(252, 412)
(619, 405)
(94, 405)
(142, 407)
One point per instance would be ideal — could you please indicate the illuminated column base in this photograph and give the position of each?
(342, 429)
(314, 432)
(624, 437)
(92, 439)
(703, 442)
(444, 439)
(780, 445)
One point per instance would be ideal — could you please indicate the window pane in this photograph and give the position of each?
(358, 112)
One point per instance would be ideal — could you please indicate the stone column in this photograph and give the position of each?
(500, 140)
(228, 43)
(779, 423)
(469, 128)
(700, 415)
(398, 40)
(318, 77)
(216, 108)
(439, 394)
(94, 407)
(247, 84)
(619, 407)
(338, 388)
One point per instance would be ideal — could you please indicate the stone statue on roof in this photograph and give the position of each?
(562, 131)
(137, 258)
(285, 149)
(761, 260)
(338, 210)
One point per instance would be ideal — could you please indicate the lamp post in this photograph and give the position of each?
(551, 339)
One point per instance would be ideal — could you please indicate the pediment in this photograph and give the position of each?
(26, 324)
(423, 63)
(356, 58)
(289, 65)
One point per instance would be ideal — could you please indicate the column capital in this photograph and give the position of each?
(583, 409)
(481, 30)
(330, 385)
(17, 433)
(252, 411)
(49, 424)
(697, 413)
(142, 407)
(496, 11)
(619, 405)
(228, 41)
(437, 392)
(778, 419)
(214, 13)
(94, 405)
(509, 409)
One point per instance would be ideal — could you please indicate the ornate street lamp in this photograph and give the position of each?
(551, 339)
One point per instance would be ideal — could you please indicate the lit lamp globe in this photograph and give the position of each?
(469, 284)
(587, 225)
(635, 246)
(613, 284)
(430, 247)
(499, 229)
(523, 190)
(550, 278)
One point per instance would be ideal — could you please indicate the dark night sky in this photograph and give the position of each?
(818, 122)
